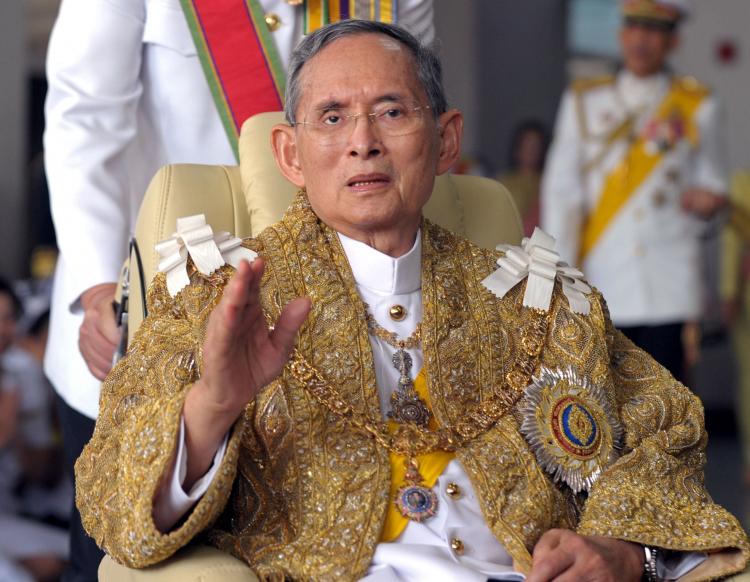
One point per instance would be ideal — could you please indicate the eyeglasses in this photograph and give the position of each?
(332, 126)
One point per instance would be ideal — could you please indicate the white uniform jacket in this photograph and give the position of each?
(647, 261)
(127, 95)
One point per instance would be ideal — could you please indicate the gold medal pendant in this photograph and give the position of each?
(415, 501)
(406, 405)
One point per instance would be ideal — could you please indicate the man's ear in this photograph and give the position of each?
(284, 145)
(451, 128)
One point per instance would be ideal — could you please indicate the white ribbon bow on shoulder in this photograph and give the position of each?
(538, 261)
(196, 239)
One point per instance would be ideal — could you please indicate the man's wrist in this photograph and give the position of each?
(204, 418)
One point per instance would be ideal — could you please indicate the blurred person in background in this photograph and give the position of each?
(45, 493)
(734, 289)
(28, 549)
(127, 95)
(10, 311)
(528, 150)
(635, 170)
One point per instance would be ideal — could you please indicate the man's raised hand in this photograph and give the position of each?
(241, 355)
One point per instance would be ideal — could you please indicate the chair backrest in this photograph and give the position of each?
(247, 198)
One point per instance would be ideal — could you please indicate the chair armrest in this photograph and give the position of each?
(191, 564)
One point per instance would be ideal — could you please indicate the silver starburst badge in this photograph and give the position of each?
(571, 427)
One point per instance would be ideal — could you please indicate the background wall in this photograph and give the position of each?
(457, 43)
(712, 24)
(504, 62)
(522, 56)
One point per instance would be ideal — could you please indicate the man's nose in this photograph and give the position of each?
(364, 140)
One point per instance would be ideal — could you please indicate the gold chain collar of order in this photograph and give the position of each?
(390, 337)
(410, 440)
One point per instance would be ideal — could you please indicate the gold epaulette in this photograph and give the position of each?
(579, 86)
(693, 86)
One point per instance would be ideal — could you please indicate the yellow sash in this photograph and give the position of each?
(431, 466)
(682, 100)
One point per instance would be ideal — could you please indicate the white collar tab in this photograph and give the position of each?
(382, 273)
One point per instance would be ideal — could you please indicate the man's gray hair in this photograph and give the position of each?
(426, 62)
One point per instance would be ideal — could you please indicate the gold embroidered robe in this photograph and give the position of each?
(301, 494)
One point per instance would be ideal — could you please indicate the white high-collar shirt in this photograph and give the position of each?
(422, 553)
(638, 93)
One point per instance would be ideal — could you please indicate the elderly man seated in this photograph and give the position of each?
(372, 397)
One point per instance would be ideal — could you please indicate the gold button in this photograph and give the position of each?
(273, 21)
(397, 312)
(457, 546)
(453, 490)
(294, 2)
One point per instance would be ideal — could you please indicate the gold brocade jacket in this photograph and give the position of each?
(302, 494)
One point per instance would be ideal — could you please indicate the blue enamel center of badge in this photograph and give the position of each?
(416, 500)
(579, 425)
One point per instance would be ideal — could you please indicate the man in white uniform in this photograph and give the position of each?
(126, 95)
(635, 168)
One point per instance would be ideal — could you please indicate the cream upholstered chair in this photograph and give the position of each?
(244, 200)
